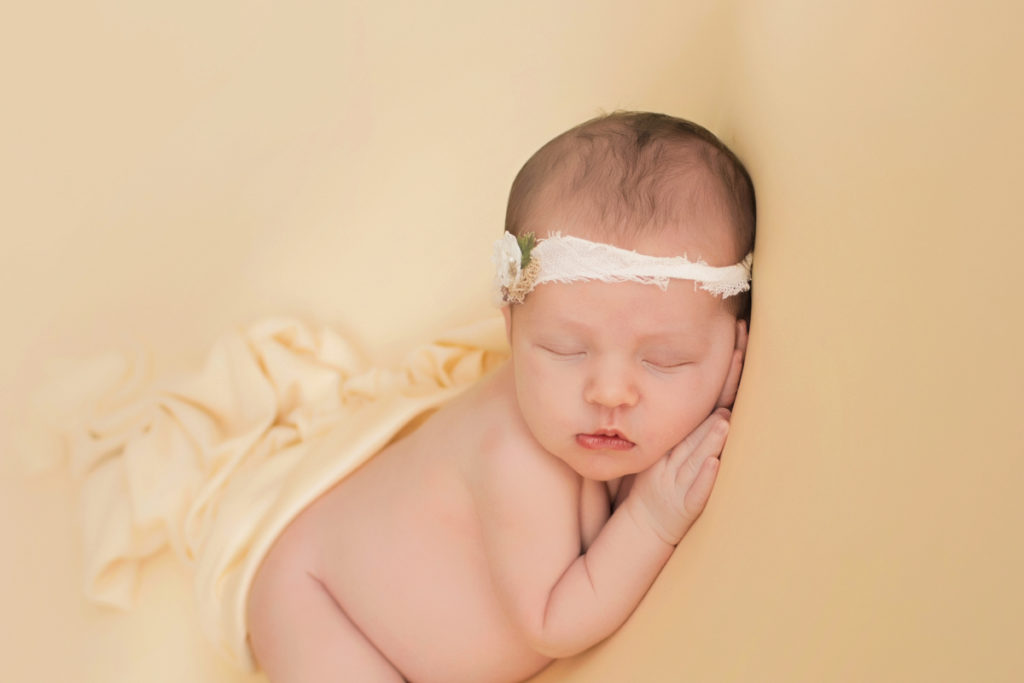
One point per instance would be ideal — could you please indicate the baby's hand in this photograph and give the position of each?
(670, 495)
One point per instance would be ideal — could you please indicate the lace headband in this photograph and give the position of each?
(523, 263)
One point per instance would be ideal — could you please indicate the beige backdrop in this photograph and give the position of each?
(172, 170)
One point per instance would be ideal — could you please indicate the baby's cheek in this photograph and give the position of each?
(545, 407)
(697, 402)
(685, 425)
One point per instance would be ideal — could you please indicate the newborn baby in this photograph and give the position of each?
(525, 520)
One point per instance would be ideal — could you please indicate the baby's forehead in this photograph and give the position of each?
(630, 310)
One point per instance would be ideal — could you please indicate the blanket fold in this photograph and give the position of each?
(216, 463)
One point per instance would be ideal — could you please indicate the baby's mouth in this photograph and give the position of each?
(605, 440)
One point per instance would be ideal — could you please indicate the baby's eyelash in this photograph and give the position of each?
(666, 366)
(562, 353)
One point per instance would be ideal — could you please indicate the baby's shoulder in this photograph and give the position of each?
(502, 458)
(511, 463)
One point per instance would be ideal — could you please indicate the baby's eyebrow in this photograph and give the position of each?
(686, 338)
(565, 323)
(675, 343)
(679, 330)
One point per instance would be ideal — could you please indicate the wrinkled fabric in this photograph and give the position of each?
(216, 463)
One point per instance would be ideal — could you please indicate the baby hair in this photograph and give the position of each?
(620, 174)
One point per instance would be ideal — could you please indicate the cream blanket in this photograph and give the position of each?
(216, 463)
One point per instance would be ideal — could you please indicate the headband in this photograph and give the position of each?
(523, 263)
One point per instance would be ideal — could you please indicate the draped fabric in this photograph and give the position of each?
(215, 463)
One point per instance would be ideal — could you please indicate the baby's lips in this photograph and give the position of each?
(610, 431)
(604, 442)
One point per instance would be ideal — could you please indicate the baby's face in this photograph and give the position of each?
(611, 376)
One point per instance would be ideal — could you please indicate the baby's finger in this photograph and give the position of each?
(700, 490)
(681, 453)
(709, 448)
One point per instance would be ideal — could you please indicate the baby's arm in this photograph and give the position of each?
(565, 601)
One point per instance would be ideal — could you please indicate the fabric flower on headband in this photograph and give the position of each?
(516, 269)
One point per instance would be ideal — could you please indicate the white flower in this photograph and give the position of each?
(507, 258)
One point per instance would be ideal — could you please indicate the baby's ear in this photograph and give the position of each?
(732, 380)
(506, 312)
(741, 336)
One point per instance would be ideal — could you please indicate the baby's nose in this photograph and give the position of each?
(611, 387)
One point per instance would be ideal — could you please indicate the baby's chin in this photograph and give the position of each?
(604, 465)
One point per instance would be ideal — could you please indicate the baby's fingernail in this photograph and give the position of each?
(725, 412)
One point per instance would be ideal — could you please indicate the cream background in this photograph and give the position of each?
(171, 171)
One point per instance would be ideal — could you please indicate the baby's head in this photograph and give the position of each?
(612, 371)
(637, 178)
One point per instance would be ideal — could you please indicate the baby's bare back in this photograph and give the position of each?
(399, 547)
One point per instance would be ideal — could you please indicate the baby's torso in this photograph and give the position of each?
(400, 548)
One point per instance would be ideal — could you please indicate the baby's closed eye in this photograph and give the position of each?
(665, 363)
(560, 351)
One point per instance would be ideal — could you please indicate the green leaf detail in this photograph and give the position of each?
(527, 242)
